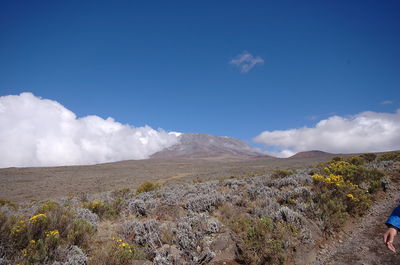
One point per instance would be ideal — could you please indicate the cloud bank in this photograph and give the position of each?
(41, 132)
(364, 132)
(246, 61)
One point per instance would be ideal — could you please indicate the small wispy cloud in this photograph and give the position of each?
(246, 61)
(387, 102)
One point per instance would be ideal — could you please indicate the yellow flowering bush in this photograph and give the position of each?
(18, 231)
(37, 251)
(338, 192)
(123, 246)
(340, 188)
(336, 167)
(353, 171)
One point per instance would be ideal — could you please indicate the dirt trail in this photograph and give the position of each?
(361, 243)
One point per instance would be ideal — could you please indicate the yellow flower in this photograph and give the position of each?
(53, 233)
(349, 195)
(38, 218)
(317, 177)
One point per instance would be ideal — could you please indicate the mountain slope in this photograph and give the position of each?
(310, 154)
(198, 145)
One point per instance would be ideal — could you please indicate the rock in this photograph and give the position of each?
(142, 262)
(168, 255)
(225, 250)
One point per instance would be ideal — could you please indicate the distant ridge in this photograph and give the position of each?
(311, 154)
(199, 145)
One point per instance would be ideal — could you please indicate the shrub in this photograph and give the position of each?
(395, 156)
(37, 237)
(40, 250)
(337, 197)
(357, 160)
(47, 207)
(121, 193)
(145, 234)
(262, 241)
(340, 188)
(369, 157)
(80, 232)
(338, 191)
(88, 216)
(330, 210)
(16, 229)
(37, 225)
(116, 252)
(337, 159)
(204, 203)
(356, 174)
(103, 209)
(9, 203)
(281, 173)
(146, 187)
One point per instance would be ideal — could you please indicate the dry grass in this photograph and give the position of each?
(24, 184)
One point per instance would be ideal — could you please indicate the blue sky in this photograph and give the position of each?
(167, 63)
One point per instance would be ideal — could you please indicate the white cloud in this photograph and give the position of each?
(364, 132)
(41, 132)
(246, 61)
(387, 102)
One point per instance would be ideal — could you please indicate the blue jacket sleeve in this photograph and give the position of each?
(394, 219)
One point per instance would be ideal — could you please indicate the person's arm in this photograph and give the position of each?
(394, 219)
(393, 222)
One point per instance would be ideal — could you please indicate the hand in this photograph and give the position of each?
(389, 237)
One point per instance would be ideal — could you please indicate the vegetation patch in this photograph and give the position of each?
(146, 187)
(253, 220)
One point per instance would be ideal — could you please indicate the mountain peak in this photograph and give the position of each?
(200, 145)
